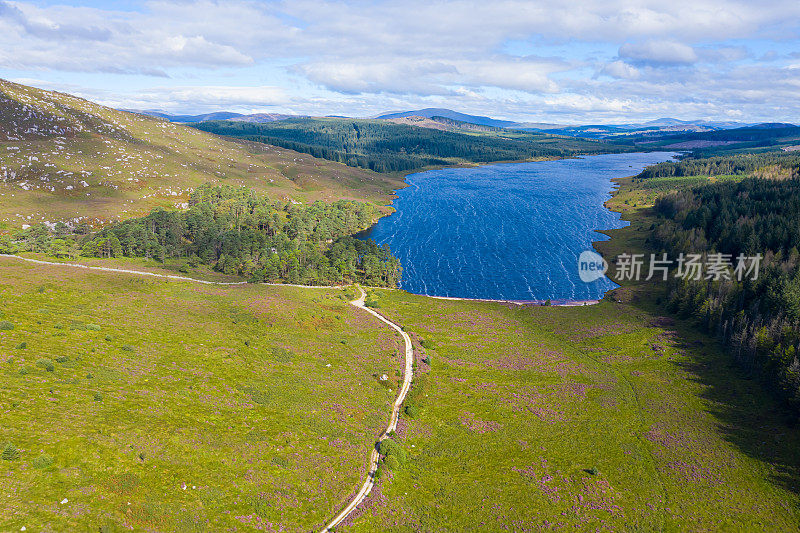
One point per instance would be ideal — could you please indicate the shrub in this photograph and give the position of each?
(127, 348)
(47, 364)
(98, 397)
(388, 447)
(93, 327)
(109, 338)
(10, 452)
(24, 370)
(22, 345)
(62, 359)
(412, 411)
(282, 462)
(43, 461)
(6, 326)
(391, 462)
(592, 471)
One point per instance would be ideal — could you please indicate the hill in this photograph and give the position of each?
(219, 115)
(66, 158)
(431, 112)
(385, 146)
(756, 138)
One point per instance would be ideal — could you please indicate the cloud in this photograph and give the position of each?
(612, 58)
(49, 29)
(401, 76)
(620, 69)
(659, 53)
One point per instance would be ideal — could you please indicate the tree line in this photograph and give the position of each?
(385, 146)
(787, 163)
(758, 319)
(236, 231)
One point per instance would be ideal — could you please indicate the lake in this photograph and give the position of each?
(507, 231)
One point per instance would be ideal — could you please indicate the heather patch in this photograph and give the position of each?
(469, 421)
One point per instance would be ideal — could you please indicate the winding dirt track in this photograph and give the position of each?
(366, 488)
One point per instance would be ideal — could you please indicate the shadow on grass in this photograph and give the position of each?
(749, 416)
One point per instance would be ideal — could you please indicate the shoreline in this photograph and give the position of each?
(563, 302)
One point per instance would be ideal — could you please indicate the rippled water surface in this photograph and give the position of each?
(509, 231)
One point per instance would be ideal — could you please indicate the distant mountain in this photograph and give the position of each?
(449, 113)
(219, 115)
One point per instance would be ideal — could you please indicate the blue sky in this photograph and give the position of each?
(598, 61)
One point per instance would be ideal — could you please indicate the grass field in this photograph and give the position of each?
(119, 391)
(604, 417)
(65, 158)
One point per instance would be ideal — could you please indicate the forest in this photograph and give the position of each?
(762, 164)
(759, 319)
(236, 232)
(387, 147)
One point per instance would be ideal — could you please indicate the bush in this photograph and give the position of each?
(389, 448)
(127, 348)
(98, 397)
(6, 326)
(47, 364)
(62, 359)
(93, 327)
(10, 452)
(22, 345)
(43, 461)
(24, 370)
(391, 462)
(412, 411)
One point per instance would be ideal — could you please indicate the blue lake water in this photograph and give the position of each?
(509, 231)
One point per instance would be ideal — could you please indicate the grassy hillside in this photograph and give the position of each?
(63, 158)
(386, 146)
(119, 391)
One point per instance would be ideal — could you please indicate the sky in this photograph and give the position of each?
(566, 62)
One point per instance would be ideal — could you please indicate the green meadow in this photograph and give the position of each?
(596, 418)
(172, 406)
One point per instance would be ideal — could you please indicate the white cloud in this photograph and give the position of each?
(340, 56)
(620, 69)
(659, 53)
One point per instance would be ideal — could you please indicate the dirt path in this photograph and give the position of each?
(359, 303)
(366, 488)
